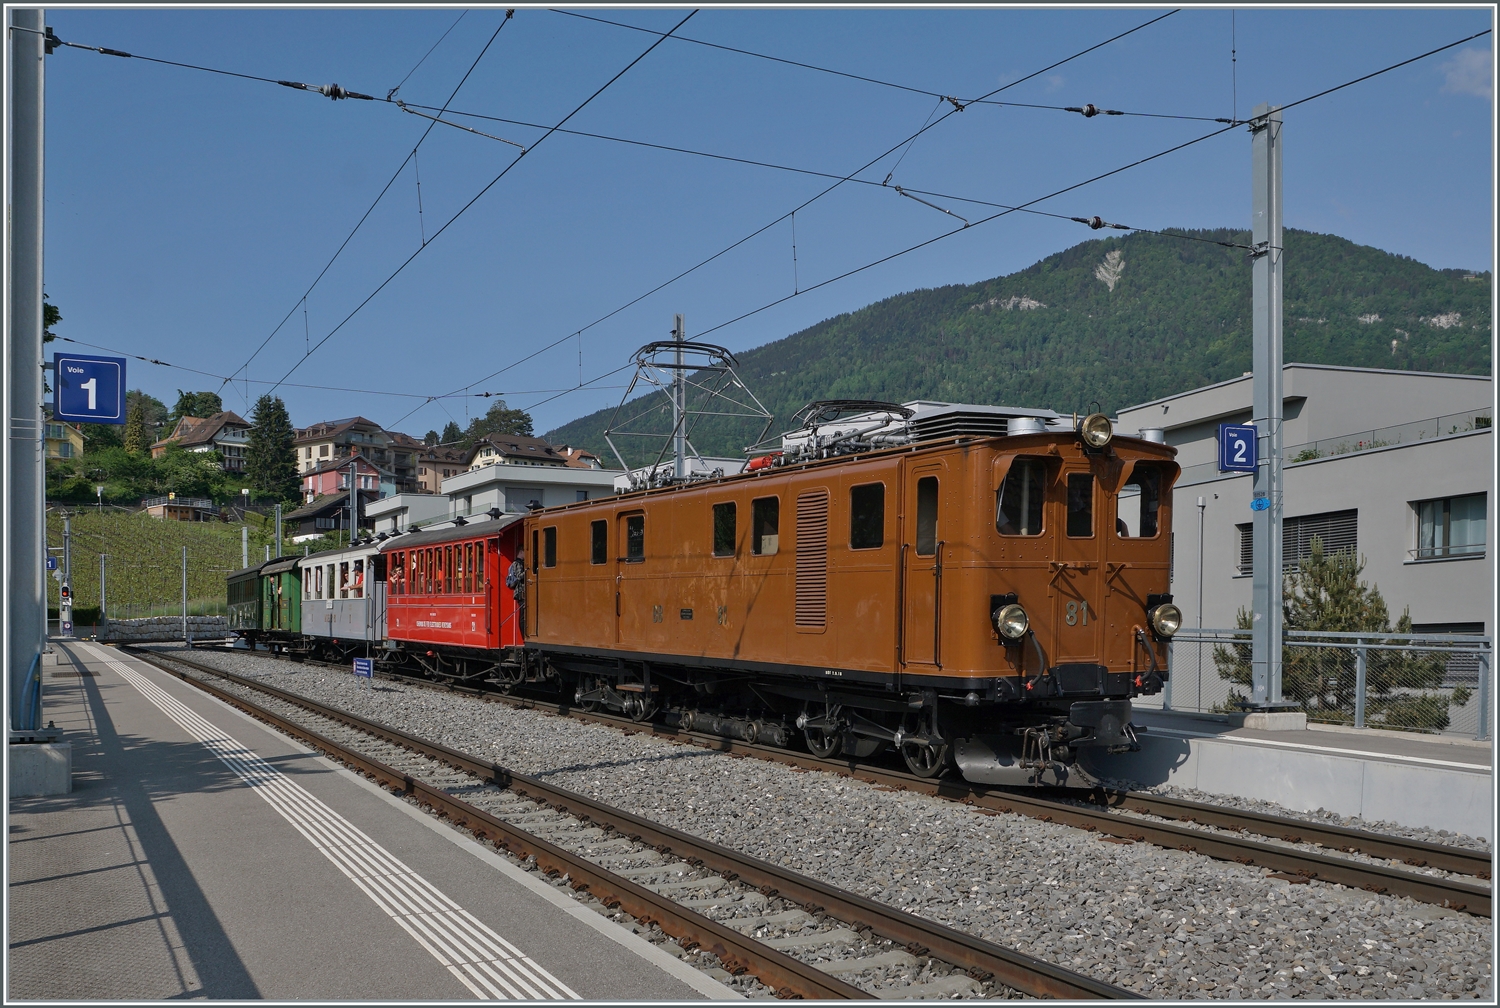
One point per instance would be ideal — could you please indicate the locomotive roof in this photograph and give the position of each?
(472, 530)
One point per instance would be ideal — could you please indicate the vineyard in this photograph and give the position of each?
(144, 561)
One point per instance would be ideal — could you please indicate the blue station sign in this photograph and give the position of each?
(1238, 445)
(89, 389)
(364, 667)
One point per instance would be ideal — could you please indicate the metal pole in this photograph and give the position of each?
(22, 583)
(278, 529)
(103, 621)
(65, 599)
(1483, 731)
(244, 545)
(679, 405)
(1265, 661)
(268, 553)
(185, 636)
(353, 497)
(1361, 665)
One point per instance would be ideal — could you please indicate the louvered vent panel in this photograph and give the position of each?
(812, 559)
(959, 424)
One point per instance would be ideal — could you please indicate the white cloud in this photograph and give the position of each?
(1055, 81)
(1471, 72)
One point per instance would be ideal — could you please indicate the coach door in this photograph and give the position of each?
(1076, 573)
(630, 560)
(922, 549)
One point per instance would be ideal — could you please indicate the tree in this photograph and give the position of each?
(431, 438)
(50, 317)
(499, 419)
(452, 433)
(153, 412)
(1325, 593)
(196, 404)
(270, 458)
(136, 440)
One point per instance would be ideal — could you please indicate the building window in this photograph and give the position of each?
(724, 520)
(1337, 530)
(867, 516)
(1449, 527)
(322, 451)
(65, 450)
(580, 495)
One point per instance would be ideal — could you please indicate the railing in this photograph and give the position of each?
(1435, 683)
(1381, 437)
(201, 503)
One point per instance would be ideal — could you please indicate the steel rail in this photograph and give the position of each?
(1452, 893)
(981, 958)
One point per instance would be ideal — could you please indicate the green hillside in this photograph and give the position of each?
(144, 567)
(1059, 334)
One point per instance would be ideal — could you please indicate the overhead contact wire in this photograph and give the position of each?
(464, 209)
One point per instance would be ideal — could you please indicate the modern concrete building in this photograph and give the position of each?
(399, 512)
(1395, 465)
(513, 489)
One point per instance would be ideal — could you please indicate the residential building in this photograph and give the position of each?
(1396, 466)
(402, 511)
(514, 487)
(335, 440)
(513, 450)
(579, 458)
(436, 463)
(333, 477)
(327, 513)
(226, 433)
(63, 440)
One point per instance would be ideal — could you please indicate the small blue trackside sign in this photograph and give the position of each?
(1237, 447)
(89, 389)
(364, 667)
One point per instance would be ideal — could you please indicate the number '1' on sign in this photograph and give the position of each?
(1237, 447)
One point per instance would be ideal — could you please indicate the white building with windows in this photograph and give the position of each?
(1395, 465)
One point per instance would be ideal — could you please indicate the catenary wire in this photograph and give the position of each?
(870, 80)
(366, 215)
(813, 199)
(392, 92)
(462, 210)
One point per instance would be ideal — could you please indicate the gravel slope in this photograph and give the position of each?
(1165, 923)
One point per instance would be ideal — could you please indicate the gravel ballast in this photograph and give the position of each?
(1167, 924)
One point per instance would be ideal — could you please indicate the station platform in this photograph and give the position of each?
(1433, 781)
(202, 855)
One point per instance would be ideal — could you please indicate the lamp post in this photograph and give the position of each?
(99, 493)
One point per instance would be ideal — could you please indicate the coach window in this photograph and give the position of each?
(317, 581)
(927, 515)
(867, 516)
(1018, 502)
(332, 581)
(599, 542)
(549, 546)
(463, 559)
(635, 538)
(1137, 504)
(765, 525)
(1080, 505)
(357, 582)
(479, 551)
(724, 529)
(448, 566)
(438, 568)
(344, 579)
(397, 573)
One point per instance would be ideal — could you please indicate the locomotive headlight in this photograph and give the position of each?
(1011, 622)
(1166, 619)
(1096, 430)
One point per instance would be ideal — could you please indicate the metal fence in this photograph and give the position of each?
(1436, 683)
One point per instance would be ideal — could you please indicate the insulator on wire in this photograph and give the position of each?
(331, 90)
(1091, 110)
(1098, 222)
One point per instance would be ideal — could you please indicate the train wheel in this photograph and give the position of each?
(592, 706)
(823, 743)
(926, 761)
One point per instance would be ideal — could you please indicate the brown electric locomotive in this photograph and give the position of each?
(989, 602)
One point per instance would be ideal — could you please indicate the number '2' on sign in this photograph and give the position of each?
(1237, 447)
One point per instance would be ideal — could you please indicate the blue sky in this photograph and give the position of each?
(187, 213)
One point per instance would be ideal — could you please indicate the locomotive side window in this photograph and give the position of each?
(1080, 505)
(536, 558)
(765, 525)
(867, 516)
(1137, 504)
(927, 515)
(1018, 502)
(549, 546)
(599, 547)
(635, 538)
(724, 529)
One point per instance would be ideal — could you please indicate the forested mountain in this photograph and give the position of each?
(1116, 320)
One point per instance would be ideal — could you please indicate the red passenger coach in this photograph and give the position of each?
(447, 598)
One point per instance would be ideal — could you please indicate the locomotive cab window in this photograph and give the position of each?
(724, 520)
(599, 542)
(765, 525)
(1080, 505)
(635, 538)
(549, 546)
(927, 515)
(1137, 504)
(1018, 502)
(867, 516)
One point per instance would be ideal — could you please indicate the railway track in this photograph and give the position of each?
(687, 884)
(1228, 838)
